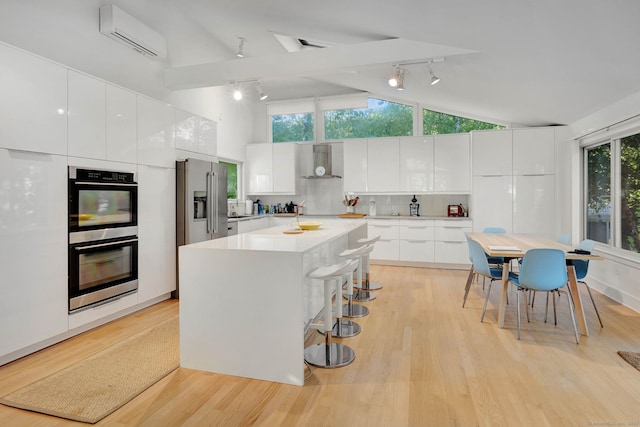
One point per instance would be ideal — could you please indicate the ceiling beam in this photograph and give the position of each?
(306, 63)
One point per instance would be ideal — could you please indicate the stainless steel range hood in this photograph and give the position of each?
(322, 162)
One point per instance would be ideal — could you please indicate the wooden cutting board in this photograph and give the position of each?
(351, 215)
(284, 214)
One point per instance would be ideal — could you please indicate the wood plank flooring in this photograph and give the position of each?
(421, 360)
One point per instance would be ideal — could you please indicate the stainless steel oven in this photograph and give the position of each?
(103, 236)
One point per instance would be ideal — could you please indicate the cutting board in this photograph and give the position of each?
(284, 214)
(351, 215)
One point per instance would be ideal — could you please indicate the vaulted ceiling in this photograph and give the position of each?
(512, 61)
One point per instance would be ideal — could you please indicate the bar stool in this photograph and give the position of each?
(362, 255)
(350, 309)
(330, 354)
(368, 285)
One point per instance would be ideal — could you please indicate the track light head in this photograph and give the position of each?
(240, 53)
(261, 93)
(400, 85)
(237, 93)
(393, 80)
(434, 79)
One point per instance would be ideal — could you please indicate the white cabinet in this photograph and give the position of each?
(534, 205)
(452, 163)
(451, 242)
(156, 232)
(416, 240)
(156, 144)
(195, 134)
(388, 247)
(534, 151)
(259, 223)
(493, 202)
(416, 164)
(383, 171)
(244, 226)
(492, 152)
(33, 248)
(272, 168)
(102, 120)
(33, 106)
(87, 116)
(355, 165)
(122, 126)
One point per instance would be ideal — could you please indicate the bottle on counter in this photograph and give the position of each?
(414, 207)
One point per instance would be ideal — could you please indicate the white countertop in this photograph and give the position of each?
(274, 238)
(302, 217)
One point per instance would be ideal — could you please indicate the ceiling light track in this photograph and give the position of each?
(397, 78)
(238, 94)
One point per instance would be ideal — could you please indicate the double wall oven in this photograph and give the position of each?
(103, 236)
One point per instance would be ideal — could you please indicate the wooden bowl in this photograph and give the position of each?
(309, 225)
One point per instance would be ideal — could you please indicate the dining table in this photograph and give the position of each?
(514, 246)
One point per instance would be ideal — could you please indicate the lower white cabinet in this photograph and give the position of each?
(416, 240)
(156, 232)
(33, 248)
(259, 223)
(451, 242)
(388, 247)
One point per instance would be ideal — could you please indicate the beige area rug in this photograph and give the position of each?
(95, 387)
(632, 358)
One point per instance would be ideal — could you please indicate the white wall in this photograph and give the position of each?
(67, 31)
(617, 275)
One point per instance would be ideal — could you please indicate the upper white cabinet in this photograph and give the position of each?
(102, 120)
(33, 244)
(156, 144)
(492, 152)
(272, 168)
(33, 106)
(452, 163)
(416, 164)
(87, 120)
(534, 151)
(534, 205)
(355, 165)
(195, 134)
(383, 168)
(122, 126)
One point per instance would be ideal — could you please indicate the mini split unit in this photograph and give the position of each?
(126, 29)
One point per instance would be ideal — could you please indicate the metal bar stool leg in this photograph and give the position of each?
(350, 309)
(343, 328)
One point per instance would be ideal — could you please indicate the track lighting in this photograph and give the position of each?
(400, 85)
(261, 93)
(434, 78)
(237, 93)
(393, 80)
(240, 53)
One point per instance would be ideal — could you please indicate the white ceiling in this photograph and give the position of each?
(518, 62)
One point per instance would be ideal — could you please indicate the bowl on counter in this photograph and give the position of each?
(309, 225)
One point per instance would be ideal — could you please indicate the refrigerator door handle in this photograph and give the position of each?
(214, 194)
(209, 197)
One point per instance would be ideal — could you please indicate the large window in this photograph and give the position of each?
(435, 123)
(612, 184)
(292, 127)
(380, 118)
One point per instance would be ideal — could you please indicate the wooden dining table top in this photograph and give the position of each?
(510, 245)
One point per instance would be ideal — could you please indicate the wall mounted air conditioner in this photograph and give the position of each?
(126, 29)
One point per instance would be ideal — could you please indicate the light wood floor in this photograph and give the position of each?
(421, 360)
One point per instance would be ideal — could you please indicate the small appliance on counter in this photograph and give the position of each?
(414, 207)
(455, 210)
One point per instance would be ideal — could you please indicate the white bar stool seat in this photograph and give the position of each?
(361, 254)
(330, 354)
(350, 309)
(368, 285)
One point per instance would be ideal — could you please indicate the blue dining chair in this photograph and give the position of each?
(494, 259)
(564, 238)
(482, 267)
(543, 270)
(582, 268)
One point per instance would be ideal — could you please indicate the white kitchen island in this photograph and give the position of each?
(245, 300)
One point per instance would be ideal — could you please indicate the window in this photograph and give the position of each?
(435, 123)
(380, 118)
(612, 192)
(232, 180)
(292, 127)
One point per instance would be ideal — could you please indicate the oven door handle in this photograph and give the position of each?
(101, 245)
(119, 184)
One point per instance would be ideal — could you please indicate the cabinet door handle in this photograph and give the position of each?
(417, 241)
(452, 241)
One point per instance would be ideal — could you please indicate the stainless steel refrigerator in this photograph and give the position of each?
(201, 202)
